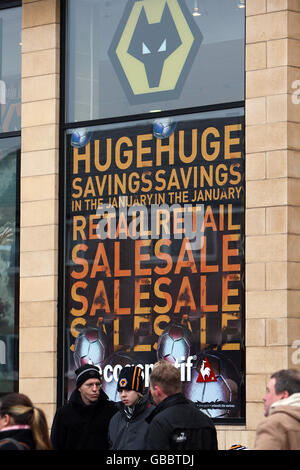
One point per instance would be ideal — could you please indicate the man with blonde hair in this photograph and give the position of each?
(176, 423)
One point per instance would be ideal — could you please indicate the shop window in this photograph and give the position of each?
(10, 69)
(133, 57)
(9, 262)
(152, 219)
(10, 144)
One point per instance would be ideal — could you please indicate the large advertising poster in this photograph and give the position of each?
(154, 266)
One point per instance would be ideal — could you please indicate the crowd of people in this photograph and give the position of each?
(162, 419)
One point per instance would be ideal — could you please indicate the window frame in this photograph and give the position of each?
(63, 127)
(5, 5)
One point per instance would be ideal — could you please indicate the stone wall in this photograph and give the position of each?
(39, 202)
(272, 202)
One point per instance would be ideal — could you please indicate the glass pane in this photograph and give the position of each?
(139, 56)
(9, 268)
(10, 69)
(154, 263)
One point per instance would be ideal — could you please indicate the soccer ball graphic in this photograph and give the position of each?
(80, 138)
(217, 399)
(163, 128)
(174, 344)
(90, 347)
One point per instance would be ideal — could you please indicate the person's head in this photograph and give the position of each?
(130, 384)
(88, 383)
(165, 380)
(281, 385)
(16, 409)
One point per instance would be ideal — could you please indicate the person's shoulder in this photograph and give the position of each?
(272, 420)
(64, 410)
(148, 408)
(117, 416)
(109, 406)
(68, 405)
(104, 398)
(112, 405)
(12, 444)
(190, 409)
(280, 416)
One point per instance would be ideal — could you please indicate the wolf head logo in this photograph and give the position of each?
(153, 43)
(153, 49)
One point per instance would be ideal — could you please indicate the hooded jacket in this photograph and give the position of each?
(280, 430)
(77, 426)
(129, 432)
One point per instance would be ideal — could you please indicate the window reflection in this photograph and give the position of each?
(102, 63)
(9, 248)
(10, 69)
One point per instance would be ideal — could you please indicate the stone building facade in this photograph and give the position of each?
(272, 242)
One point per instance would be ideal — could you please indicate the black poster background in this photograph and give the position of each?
(130, 291)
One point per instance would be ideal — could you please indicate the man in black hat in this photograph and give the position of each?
(82, 424)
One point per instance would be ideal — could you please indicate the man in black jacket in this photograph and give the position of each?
(82, 424)
(176, 423)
